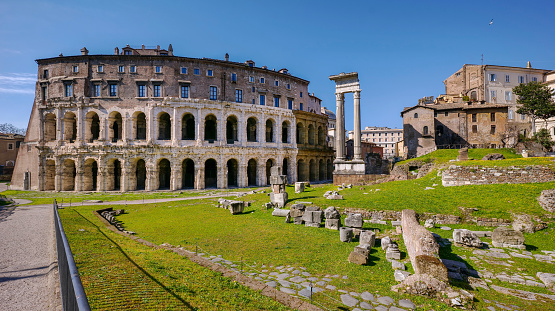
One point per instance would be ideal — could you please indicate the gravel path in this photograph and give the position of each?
(28, 265)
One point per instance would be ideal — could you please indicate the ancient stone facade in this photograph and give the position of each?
(144, 119)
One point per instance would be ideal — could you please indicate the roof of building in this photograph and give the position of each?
(11, 136)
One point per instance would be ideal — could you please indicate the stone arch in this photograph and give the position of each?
(49, 127)
(140, 174)
(210, 128)
(285, 132)
(92, 127)
(139, 125)
(164, 174)
(312, 170)
(115, 126)
(188, 174)
(301, 170)
(269, 131)
(50, 175)
(321, 170)
(232, 172)
(164, 126)
(70, 126)
(300, 133)
(251, 172)
(269, 164)
(416, 115)
(311, 134)
(188, 127)
(90, 175)
(68, 175)
(330, 169)
(285, 168)
(210, 174)
(113, 176)
(231, 129)
(321, 136)
(251, 129)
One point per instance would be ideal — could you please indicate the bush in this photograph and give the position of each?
(544, 138)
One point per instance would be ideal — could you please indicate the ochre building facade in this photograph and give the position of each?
(144, 119)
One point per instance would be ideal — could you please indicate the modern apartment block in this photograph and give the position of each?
(383, 137)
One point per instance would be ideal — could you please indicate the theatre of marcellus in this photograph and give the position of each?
(144, 119)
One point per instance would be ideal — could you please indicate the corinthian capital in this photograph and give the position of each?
(356, 94)
(339, 96)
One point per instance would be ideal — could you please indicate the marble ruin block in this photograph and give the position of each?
(507, 237)
(345, 234)
(393, 252)
(297, 210)
(466, 237)
(236, 207)
(367, 237)
(280, 212)
(279, 199)
(333, 224)
(313, 217)
(298, 220)
(331, 213)
(299, 187)
(385, 242)
(354, 220)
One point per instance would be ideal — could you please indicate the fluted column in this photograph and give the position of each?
(340, 127)
(356, 141)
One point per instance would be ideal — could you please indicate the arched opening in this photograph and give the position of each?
(300, 133)
(68, 175)
(251, 172)
(50, 127)
(231, 129)
(140, 174)
(425, 130)
(113, 180)
(321, 136)
(50, 175)
(285, 168)
(92, 127)
(330, 169)
(140, 126)
(312, 170)
(188, 174)
(164, 126)
(115, 126)
(269, 165)
(473, 96)
(70, 127)
(164, 174)
(416, 115)
(311, 134)
(210, 130)
(251, 129)
(210, 174)
(232, 169)
(285, 132)
(90, 176)
(269, 131)
(188, 127)
(301, 171)
(321, 170)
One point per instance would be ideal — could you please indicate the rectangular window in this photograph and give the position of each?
(508, 95)
(100, 68)
(435, 114)
(44, 92)
(210, 73)
(156, 89)
(288, 86)
(183, 70)
(492, 77)
(535, 79)
(45, 74)
(511, 114)
(184, 91)
(493, 94)
(96, 90)
(276, 101)
(75, 69)
(121, 69)
(475, 129)
(492, 130)
(10, 146)
(213, 93)
(132, 69)
(262, 100)
(113, 89)
(474, 117)
(446, 113)
(128, 52)
(290, 104)
(158, 69)
(233, 77)
(238, 96)
(276, 83)
(251, 79)
(68, 90)
(142, 90)
(253, 89)
(507, 78)
(492, 117)
(520, 79)
(196, 71)
(253, 101)
(301, 106)
(523, 117)
(262, 80)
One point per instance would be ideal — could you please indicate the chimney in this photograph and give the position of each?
(84, 51)
(528, 65)
(143, 46)
(116, 51)
(226, 57)
(170, 50)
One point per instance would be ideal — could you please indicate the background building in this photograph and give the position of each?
(382, 136)
(144, 119)
(9, 147)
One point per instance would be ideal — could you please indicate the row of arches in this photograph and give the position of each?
(314, 170)
(313, 137)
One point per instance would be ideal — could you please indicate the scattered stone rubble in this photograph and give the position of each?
(493, 157)
(234, 207)
(507, 237)
(547, 200)
(333, 195)
(333, 218)
(467, 238)
(109, 214)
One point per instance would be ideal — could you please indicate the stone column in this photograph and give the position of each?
(356, 140)
(174, 128)
(340, 127)
(58, 177)
(242, 178)
(59, 125)
(199, 184)
(199, 132)
(174, 177)
(79, 172)
(150, 125)
(80, 126)
(124, 127)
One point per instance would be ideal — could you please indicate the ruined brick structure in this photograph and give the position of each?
(144, 119)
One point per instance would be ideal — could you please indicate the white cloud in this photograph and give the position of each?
(17, 91)
(18, 83)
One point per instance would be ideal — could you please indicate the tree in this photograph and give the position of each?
(8, 128)
(536, 100)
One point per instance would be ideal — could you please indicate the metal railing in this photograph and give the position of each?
(73, 294)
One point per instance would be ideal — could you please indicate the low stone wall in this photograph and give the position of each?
(356, 179)
(478, 175)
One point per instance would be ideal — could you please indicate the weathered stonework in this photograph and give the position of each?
(477, 175)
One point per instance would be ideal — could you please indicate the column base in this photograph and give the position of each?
(355, 167)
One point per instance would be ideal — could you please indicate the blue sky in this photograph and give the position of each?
(402, 50)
